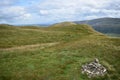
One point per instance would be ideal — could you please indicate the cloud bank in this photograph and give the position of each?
(52, 11)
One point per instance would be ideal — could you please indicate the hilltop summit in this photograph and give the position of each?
(64, 24)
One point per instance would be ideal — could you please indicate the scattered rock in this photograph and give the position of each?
(94, 69)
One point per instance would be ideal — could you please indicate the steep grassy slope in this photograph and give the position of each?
(76, 45)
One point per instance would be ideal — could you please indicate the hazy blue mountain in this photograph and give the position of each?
(33, 25)
(104, 25)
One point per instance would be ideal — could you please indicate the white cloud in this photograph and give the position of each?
(71, 9)
(43, 12)
(73, 3)
(6, 2)
(58, 10)
(13, 13)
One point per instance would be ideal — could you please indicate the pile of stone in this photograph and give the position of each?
(94, 69)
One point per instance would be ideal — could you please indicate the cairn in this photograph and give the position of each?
(93, 69)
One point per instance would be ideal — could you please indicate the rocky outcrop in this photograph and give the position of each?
(94, 69)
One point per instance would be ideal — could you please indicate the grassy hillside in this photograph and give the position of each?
(16, 36)
(56, 52)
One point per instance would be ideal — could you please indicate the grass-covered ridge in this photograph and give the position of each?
(55, 52)
(16, 36)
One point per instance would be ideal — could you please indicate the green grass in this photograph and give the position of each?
(77, 45)
(17, 36)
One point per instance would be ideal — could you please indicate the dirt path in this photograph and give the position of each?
(41, 46)
(44, 31)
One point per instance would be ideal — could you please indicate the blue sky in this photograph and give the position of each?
(53, 11)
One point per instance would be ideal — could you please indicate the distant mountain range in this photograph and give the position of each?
(39, 25)
(104, 25)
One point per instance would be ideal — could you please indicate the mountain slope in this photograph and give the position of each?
(104, 25)
(56, 53)
(11, 36)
